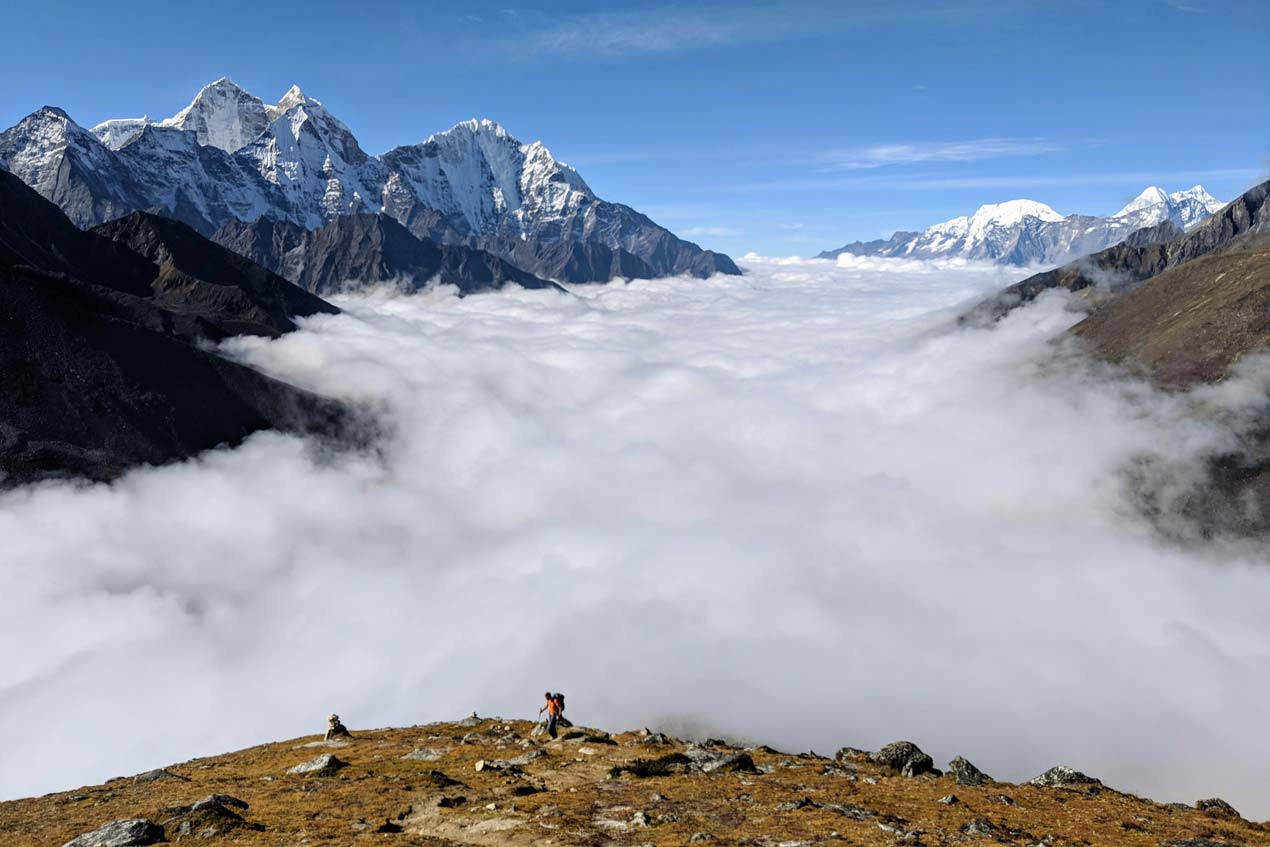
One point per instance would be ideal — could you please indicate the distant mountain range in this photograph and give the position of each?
(231, 158)
(1025, 232)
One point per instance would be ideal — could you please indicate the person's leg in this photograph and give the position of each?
(551, 725)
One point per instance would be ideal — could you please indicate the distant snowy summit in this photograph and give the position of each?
(230, 158)
(1025, 232)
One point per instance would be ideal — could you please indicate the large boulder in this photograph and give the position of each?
(213, 815)
(1215, 807)
(135, 832)
(965, 773)
(905, 757)
(1061, 776)
(733, 763)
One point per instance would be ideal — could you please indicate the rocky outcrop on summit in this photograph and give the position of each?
(103, 368)
(356, 250)
(231, 157)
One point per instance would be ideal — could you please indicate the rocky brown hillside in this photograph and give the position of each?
(488, 782)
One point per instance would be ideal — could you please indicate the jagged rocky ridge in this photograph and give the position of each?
(103, 344)
(231, 157)
(362, 248)
(492, 781)
(1025, 232)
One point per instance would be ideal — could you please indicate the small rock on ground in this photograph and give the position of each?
(324, 765)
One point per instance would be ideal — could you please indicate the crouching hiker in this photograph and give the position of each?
(335, 728)
(552, 708)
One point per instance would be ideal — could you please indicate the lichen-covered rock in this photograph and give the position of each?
(215, 814)
(135, 832)
(734, 763)
(1061, 776)
(324, 765)
(423, 754)
(157, 774)
(966, 773)
(905, 757)
(1216, 807)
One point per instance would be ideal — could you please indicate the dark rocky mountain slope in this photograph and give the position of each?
(103, 366)
(364, 248)
(199, 277)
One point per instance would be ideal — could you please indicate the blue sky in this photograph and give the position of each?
(784, 128)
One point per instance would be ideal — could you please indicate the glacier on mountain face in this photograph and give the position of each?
(243, 159)
(1025, 232)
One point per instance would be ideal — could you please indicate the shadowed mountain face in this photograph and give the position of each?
(356, 249)
(101, 366)
(1242, 224)
(198, 277)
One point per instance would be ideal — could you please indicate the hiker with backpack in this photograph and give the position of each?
(554, 707)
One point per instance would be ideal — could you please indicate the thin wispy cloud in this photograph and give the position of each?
(926, 152)
(664, 30)
(717, 231)
(931, 183)
(670, 29)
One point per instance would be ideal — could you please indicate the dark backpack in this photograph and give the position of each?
(559, 698)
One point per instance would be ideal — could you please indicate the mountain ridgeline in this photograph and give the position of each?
(229, 158)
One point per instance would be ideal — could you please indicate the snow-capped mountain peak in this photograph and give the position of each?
(1154, 206)
(229, 156)
(1013, 212)
(223, 115)
(294, 97)
(1150, 197)
(117, 132)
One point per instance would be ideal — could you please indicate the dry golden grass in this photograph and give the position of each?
(579, 804)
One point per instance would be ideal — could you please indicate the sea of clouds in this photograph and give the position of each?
(801, 507)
